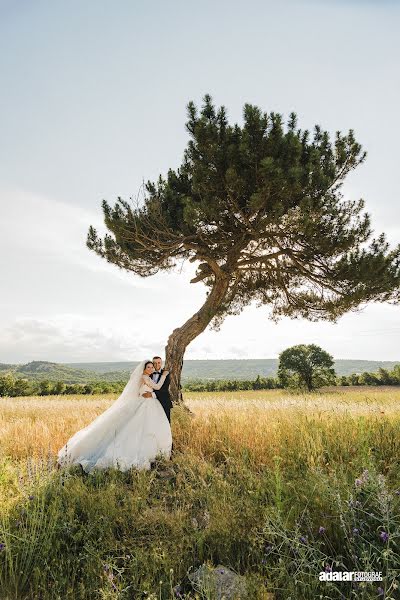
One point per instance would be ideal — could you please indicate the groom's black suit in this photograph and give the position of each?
(163, 393)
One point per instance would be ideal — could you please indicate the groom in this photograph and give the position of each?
(163, 393)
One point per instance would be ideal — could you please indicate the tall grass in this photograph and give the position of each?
(277, 487)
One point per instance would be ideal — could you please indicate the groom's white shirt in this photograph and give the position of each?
(156, 376)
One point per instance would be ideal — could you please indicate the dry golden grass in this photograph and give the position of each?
(261, 423)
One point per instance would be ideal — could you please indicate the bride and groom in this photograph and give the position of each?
(132, 431)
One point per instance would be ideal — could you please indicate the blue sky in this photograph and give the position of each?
(93, 101)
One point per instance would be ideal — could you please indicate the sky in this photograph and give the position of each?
(93, 102)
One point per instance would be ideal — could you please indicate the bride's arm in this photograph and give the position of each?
(153, 384)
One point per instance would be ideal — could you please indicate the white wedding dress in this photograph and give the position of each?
(130, 433)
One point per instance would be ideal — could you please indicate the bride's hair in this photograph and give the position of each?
(148, 362)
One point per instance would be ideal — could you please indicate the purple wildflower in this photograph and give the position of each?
(384, 536)
(328, 568)
(321, 530)
(363, 479)
(31, 497)
(2, 546)
(303, 539)
(380, 591)
(356, 531)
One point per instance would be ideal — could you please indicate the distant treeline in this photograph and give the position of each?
(381, 377)
(231, 385)
(15, 386)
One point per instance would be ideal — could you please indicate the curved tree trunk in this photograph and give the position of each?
(181, 337)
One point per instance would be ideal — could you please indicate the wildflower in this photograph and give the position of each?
(356, 531)
(2, 546)
(363, 479)
(31, 497)
(321, 530)
(397, 492)
(384, 536)
(380, 591)
(268, 549)
(328, 568)
(178, 591)
(303, 539)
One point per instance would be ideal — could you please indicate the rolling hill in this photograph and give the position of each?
(192, 369)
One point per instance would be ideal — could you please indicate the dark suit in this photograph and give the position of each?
(163, 394)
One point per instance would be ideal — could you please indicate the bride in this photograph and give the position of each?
(130, 433)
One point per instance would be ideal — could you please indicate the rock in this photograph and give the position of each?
(219, 582)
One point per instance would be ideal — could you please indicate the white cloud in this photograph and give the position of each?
(55, 230)
(72, 338)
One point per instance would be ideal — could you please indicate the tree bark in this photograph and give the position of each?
(181, 337)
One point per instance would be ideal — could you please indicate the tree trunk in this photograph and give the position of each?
(181, 337)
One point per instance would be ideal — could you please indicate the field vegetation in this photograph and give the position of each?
(274, 485)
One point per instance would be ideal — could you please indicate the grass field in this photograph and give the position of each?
(276, 486)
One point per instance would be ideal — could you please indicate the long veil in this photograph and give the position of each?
(103, 427)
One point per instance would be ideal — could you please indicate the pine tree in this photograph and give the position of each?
(258, 209)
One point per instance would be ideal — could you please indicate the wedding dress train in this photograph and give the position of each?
(130, 433)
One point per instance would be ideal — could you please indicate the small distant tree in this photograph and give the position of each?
(306, 366)
(45, 387)
(367, 378)
(59, 387)
(258, 208)
(395, 373)
(22, 387)
(7, 382)
(385, 377)
(354, 379)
